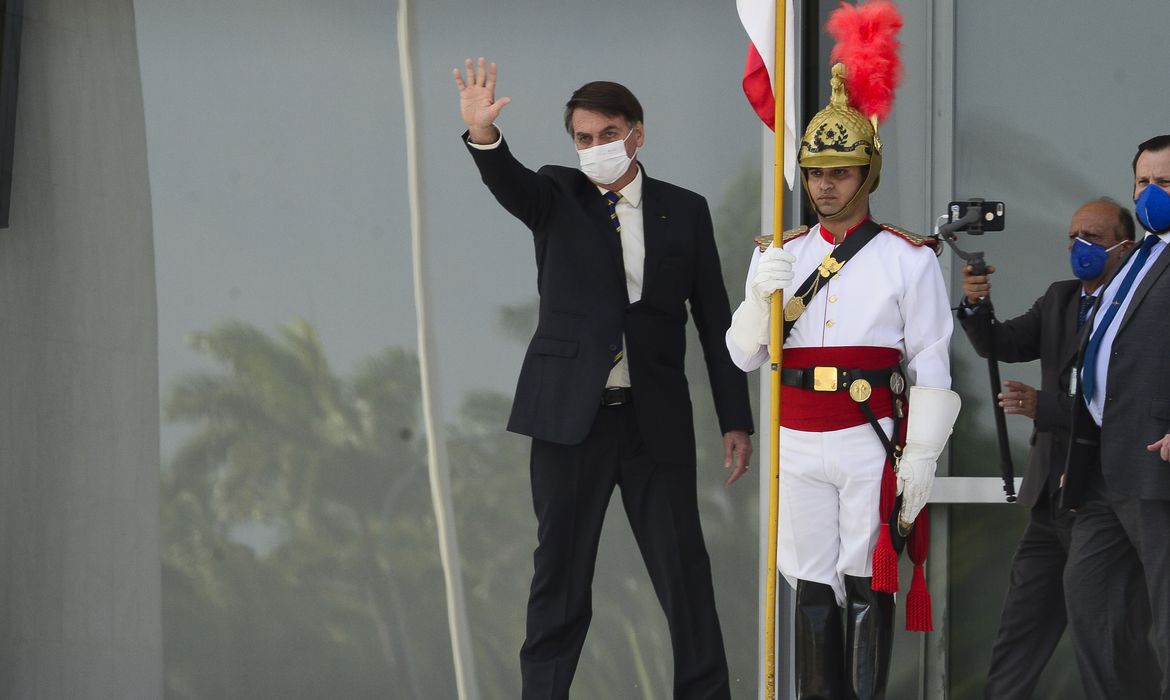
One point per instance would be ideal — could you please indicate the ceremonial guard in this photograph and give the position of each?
(866, 405)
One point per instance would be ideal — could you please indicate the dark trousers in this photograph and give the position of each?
(1033, 617)
(1118, 555)
(571, 488)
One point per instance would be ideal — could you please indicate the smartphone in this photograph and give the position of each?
(991, 219)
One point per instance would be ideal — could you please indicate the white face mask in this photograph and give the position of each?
(605, 164)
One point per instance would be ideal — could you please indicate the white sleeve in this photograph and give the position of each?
(926, 315)
(745, 358)
(489, 146)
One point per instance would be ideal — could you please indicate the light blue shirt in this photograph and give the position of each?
(1097, 405)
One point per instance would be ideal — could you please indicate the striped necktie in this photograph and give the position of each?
(1086, 306)
(612, 198)
(1088, 371)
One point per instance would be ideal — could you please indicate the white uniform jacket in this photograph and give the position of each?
(890, 294)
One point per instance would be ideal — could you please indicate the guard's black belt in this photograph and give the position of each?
(616, 396)
(834, 378)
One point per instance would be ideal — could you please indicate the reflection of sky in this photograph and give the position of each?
(277, 159)
(277, 163)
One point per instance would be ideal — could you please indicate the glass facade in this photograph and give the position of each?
(245, 164)
(296, 523)
(299, 536)
(1050, 102)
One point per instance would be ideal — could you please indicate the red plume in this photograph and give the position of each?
(867, 43)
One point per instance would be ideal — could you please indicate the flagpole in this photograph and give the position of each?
(438, 469)
(776, 352)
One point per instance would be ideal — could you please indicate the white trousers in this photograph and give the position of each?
(830, 484)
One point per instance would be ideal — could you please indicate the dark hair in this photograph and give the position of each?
(610, 99)
(1158, 143)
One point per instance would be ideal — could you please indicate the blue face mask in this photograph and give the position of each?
(1153, 209)
(1088, 259)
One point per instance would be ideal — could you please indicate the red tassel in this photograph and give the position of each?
(888, 493)
(919, 617)
(918, 543)
(885, 563)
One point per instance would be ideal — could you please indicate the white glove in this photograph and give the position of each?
(750, 325)
(932, 415)
(773, 273)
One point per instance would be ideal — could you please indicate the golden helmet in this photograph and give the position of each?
(838, 136)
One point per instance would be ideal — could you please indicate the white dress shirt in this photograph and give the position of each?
(629, 212)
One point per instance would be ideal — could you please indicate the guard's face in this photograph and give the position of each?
(832, 188)
(1152, 167)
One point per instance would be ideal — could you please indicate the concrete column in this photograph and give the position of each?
(79, 411)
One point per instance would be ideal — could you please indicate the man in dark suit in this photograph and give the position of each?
(1117, 477)
(1033, 617)
(602, 391)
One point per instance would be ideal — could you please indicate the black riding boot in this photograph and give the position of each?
(869, 628)
(820, 647)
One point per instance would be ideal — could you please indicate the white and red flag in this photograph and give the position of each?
(759, 75)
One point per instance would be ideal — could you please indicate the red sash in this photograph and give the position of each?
(822, 411)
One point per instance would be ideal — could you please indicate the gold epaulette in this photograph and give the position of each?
(764, 241)
(911, 238)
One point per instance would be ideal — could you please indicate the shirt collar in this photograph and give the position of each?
(632, 192)
(829, 237)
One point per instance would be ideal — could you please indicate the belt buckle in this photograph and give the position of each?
(613, 396)
(825, 378)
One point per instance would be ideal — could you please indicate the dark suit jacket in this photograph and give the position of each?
(584, 308)
(1137, 402)
(1047, 332)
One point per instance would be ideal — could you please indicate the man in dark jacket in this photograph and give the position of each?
(602, 390)
(1100, 234)
(1116, 477)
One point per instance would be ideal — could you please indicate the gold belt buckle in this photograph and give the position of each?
(825, 378)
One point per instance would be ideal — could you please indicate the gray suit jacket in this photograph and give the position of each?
(1137, 402)
(1047, 332)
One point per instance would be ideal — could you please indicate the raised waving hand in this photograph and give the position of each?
(477, 100)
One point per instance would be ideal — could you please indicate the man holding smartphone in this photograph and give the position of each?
(1033, 619)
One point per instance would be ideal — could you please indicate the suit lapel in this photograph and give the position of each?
(655, 224)
(1156, 271)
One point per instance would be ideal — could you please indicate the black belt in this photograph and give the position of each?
(616, 396)
(840, 379)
